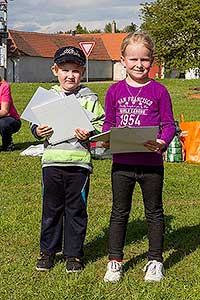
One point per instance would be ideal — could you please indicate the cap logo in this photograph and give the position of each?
(70, 51)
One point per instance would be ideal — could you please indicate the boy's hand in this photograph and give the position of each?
(155, 146)
(106, 144)
(44, 131)
(81, 134)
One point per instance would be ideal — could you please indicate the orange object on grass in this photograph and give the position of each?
(191, 138)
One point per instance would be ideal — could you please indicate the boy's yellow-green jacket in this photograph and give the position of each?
(74, 152)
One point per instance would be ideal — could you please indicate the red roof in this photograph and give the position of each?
(107, 45)
(112, 42)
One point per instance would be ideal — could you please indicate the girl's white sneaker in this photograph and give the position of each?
(114, 271)
(154, 271)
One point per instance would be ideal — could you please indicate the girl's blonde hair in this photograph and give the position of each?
(140, 38)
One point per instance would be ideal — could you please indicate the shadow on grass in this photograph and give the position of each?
(97, 248)
(183, 241)
(23, 146)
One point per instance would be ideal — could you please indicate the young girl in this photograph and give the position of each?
(134, 102)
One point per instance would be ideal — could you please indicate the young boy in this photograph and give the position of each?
(65, 170)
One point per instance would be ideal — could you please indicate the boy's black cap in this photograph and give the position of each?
(70, 54)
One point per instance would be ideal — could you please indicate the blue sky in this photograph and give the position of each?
(51, 16)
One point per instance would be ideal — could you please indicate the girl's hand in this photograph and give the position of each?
(82, 134)
(155, 146)
(44, 131)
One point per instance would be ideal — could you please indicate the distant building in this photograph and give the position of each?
(30, 55)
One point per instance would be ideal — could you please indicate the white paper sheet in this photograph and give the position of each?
(64, 115)
(89, 114)
(34, 150)
(126, 140)
(41, 96)
(102, 137)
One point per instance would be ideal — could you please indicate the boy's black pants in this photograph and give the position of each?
(150, 179)
(65, 191)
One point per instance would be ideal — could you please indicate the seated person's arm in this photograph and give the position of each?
(5, 107)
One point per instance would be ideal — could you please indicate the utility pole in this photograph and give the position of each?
(3, 37)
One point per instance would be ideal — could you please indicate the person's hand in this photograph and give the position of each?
(44, 131)
(155, 146)
(106, 144)
(81, 134)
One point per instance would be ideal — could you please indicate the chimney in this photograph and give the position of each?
(113, 26)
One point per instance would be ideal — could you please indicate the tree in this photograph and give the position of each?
(108, 28)
(130, 28)
(79, 29)
(175, 28)
(95, 31)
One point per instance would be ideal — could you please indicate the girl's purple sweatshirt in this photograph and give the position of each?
(149, 105)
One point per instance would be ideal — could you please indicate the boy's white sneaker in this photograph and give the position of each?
(114, 271)
(154, 271)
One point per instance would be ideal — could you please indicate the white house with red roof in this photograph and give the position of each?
(30, 55)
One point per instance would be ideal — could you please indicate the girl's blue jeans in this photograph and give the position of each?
(150, 179)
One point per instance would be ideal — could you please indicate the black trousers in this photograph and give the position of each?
(8, 126)
(64, 216)
(150, 180)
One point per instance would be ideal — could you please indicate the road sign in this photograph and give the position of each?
(87, 47)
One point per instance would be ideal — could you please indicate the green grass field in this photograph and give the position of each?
(20, 208)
